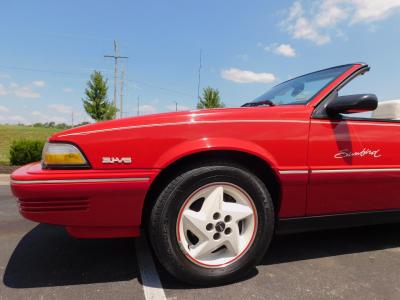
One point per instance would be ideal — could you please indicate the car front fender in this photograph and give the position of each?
(213, 144)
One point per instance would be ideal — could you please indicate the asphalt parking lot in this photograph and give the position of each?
(43, 262)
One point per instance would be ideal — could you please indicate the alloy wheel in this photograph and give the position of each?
(216, 225)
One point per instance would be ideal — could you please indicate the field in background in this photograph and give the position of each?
(9, 133)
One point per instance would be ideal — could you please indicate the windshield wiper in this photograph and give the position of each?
(259, 103)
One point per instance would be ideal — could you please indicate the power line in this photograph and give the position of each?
(116, 57)
(40, 70)
(122, 91)
(81, 75)
(126, 94)
(160, 87)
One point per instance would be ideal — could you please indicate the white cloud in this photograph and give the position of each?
(50, 115)
(330, 13)
(146, 109)
(319, 20)
(300, 27)
(282, 49)
(36, 113)
(37, 116)
(39, 83)
(61, 108)
(57, 119)
(4, 109)
(16, 119)
(3, 90)
(4, 76)
(25, 92)
(67, 90)
(304, 29)
(374, 10)
(295, 11)
(243, 76)
(172, 107)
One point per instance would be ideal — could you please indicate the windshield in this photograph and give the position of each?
(299, 90)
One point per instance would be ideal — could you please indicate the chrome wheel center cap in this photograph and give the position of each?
(220, 226)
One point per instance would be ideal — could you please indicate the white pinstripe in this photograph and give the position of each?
(183, 123)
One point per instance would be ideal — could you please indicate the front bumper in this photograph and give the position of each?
(89, 203)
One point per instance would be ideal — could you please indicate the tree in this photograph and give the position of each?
(210, 99)
(82, 124)
(49, 124)
(62, 126)
(96, 103)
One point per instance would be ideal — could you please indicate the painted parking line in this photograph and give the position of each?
(150, 280)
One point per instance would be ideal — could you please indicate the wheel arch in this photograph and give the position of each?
(201, 145)
(262, 168)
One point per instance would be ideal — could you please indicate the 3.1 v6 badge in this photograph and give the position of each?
(116, 160)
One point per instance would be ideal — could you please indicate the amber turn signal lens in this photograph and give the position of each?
(56, 154)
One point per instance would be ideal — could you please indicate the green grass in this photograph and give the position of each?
(9, 133)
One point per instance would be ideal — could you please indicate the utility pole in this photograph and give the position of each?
(121, 94)
(176, 105)
(116, 57)
(199, 81)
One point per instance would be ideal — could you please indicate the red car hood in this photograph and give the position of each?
(160, 118)
(221, 114)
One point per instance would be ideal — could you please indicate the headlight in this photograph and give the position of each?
(61, 155)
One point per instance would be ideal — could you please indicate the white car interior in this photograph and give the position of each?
(389, 110)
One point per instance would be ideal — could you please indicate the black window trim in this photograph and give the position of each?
(320, 112)
(319, 91)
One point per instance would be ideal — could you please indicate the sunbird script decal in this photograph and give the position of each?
(364, 152)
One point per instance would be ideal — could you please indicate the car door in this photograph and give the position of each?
(354, 164)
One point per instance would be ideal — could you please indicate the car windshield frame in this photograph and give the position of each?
(265, 99)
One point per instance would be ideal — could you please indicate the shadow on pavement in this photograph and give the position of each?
(312, 245)
(47, 256)
(296, 247)
(170, 283)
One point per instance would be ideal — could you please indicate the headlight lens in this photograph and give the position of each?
(62, 155)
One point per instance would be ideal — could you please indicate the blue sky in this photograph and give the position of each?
(49, 48)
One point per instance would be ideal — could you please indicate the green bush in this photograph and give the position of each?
(25, 151)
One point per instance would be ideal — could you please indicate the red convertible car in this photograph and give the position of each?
(211, 187)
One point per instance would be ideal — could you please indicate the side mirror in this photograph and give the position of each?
(352, 104)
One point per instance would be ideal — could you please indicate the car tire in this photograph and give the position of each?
(180, 230)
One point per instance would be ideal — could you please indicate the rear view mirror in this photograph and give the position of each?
(352, 104)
